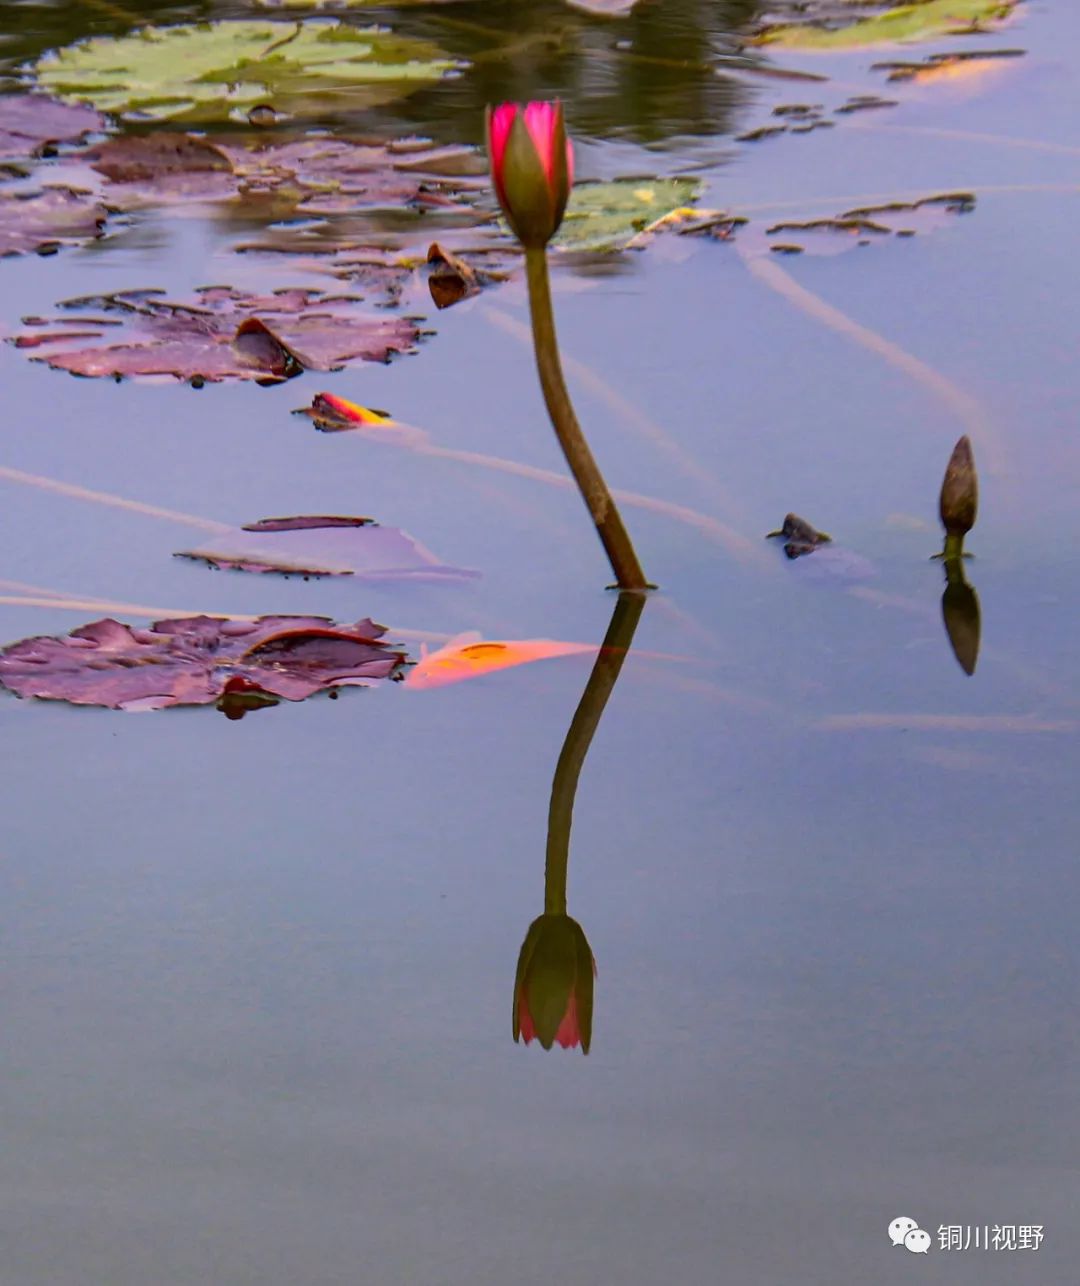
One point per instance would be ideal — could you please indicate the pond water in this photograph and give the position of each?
(257, 974)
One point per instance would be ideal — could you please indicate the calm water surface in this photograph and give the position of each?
(257, 976)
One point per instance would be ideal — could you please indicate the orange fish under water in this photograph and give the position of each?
(467, 656)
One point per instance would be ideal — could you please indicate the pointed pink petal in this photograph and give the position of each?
(525, 1022)
(569, 1033)
(540, 122)
(500, 122)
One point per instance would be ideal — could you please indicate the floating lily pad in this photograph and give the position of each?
(131, 158)
(223, 334)
(325, 546)
(307, 176)
(205, 71)
(602, 216)
(32, 124)
(44, 221)
(196, 660)
(856, 25)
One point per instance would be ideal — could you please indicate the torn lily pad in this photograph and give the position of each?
(222, 334)
(42, 222)
(206, 71)
(197, 660)
(829, 26)
(324, 545)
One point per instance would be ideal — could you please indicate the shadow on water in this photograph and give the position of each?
(553, 990)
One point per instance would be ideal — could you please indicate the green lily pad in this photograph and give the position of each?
(204, 71)
(896, 23)
(604, 216)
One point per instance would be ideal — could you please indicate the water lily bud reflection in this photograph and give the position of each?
(532, 167)
(962, 616)
(553, 992)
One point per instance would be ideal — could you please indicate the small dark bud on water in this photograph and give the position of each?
(960, 491)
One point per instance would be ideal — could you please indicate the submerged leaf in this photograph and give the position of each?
(203, 71)
(196, 660)
(223, 334)
(467, 658)
(322, 545)
(888, 23)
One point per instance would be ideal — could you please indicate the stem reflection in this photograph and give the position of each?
(553, 990)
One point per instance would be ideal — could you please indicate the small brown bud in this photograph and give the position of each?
(960, 491)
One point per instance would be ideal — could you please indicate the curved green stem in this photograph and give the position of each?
(593, 488)
(605, 671)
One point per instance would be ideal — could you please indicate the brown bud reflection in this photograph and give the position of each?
(962, 616)
(553, 988)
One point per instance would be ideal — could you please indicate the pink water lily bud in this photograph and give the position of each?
(532, 167)
(553, 990)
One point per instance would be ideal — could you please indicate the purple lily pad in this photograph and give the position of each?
(223, 334)
(197, 660)
(29, 123)
(314, 174)
(43, 221)
(129, 158)
(319, 545)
